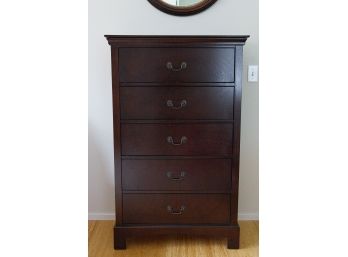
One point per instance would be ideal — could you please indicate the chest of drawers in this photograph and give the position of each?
(176, 117)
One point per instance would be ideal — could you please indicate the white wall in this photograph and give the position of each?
(138, 17)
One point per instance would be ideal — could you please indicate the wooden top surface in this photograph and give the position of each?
(236, 39)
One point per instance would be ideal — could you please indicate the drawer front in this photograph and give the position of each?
(177, 103)
(179, 139)
(176, 64)
(176, 208)
(203, 174)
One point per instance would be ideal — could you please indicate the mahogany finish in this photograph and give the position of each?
(177, 175)
(152, 64)
(152, 139)
(176, 116)
(176, 208)
(152, 103)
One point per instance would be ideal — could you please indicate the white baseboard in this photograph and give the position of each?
(248, 216)
(111, 216)
(101, 216)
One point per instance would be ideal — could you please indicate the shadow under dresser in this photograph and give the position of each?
(176, 120)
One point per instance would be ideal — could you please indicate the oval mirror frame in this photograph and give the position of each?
(182, 11)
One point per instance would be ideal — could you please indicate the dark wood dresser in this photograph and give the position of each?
(176, 116)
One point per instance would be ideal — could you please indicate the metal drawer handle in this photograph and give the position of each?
(170, 66)
(170, 140)
(174, 212)
(176, 178)
(170, 104)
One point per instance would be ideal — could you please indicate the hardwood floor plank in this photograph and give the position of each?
(100, 243)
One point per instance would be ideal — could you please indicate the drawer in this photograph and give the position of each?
(176, 64)
(177, 103)
(178, 139)
(176, 208)
(202, 174)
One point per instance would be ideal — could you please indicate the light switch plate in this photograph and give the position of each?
(253, 73)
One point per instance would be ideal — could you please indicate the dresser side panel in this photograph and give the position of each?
(236, 134)
(117, 133)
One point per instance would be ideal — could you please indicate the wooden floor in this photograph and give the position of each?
(100, 244)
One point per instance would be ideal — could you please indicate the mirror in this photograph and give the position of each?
(182, 2)
(182, 7)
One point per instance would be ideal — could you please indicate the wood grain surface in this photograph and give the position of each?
(202, 64)
(197, 209)
(177, 175)
(200, 103)
(151, 139)
(100, 243)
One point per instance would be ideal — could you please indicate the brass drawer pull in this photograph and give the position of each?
(170, 66)
(174, 212)
(170, 140)
(176, 178)
(170, 104)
